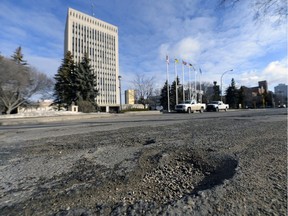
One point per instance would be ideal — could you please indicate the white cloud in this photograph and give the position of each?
(276, 68)
(276, 72)
(46, 65)
(187, 48)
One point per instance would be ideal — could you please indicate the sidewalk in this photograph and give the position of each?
(37, 118)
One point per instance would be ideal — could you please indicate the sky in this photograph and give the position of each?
(213, 37)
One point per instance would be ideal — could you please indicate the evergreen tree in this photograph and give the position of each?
(241, 97)
(65, 89)
(75, 84)
(232, 95)
(173, 93)
(85, 83)
(164, 97)
(180, 93)
(18, 56)
(216, 89)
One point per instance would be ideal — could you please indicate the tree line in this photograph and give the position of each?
(75, 83)
(234, 96)
(72, 84)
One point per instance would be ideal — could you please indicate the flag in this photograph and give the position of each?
(167, 59)
(200, 70)
(192, 66)
(176, 61)
(184, 63)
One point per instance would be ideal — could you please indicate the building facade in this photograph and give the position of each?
(99, 39)
(281, 91)
(257, 97)
(130, 96)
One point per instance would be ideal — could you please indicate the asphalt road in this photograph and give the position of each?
(30, 131)
(124, 120)
(227, 163)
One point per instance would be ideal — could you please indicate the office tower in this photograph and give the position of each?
(281, 89)
(99, 39)
(130, 96)
(281, 92)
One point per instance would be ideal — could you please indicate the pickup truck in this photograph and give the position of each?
(190, 106)
(217, 106)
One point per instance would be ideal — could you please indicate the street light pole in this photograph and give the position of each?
(221, 81)
(119, 78)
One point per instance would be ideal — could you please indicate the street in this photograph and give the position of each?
(204, 163)
(42, 130)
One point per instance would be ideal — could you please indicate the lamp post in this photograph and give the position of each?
(119, 78)
(221, 81)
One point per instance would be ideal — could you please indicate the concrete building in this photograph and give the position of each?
(130, 96)
(99, 39)
(281, 93)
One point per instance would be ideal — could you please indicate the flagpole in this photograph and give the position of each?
(200, 84)
(195, 87)
(189, 82)
(167, 77)
(176, 85)
(183, 81)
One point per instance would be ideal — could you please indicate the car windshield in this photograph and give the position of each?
(187, 102)
(214, 102)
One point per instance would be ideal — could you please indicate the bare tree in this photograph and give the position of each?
(144, 88)
(263, 8)
(19, 83)
(277, 8)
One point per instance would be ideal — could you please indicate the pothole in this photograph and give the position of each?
(177, 174)
(180, 173)
(161, 177)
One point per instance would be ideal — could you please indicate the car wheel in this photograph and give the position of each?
(217, 109)
(226, 109)
(189, 110)
(201, 110)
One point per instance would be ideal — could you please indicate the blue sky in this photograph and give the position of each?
(200, 32)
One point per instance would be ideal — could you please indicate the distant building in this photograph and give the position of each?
(281, 93)
(263, 85)
(99, 39)
(281, 89)
(130, 96)
(257, 97)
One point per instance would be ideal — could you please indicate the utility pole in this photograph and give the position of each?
(119, 77)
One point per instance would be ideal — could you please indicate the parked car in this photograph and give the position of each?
(190, 106)
(216, 106)
(282, 106)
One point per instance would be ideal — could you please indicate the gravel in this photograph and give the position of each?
(233, 165)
